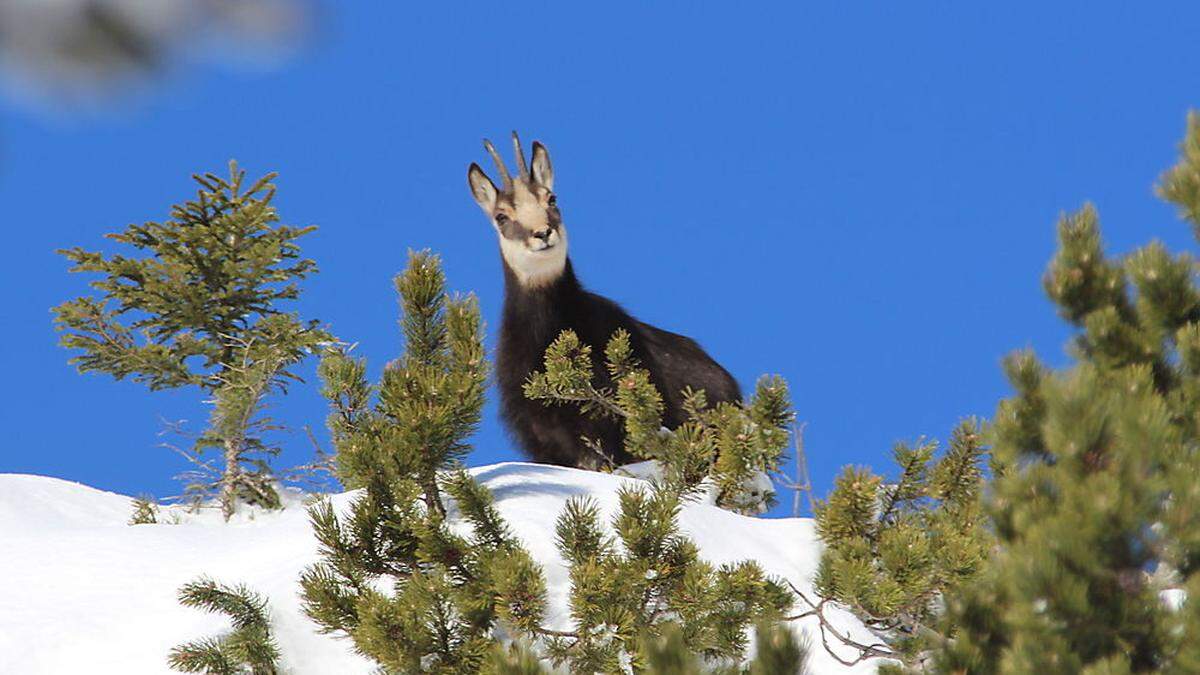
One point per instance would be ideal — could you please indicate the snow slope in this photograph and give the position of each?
(83, 592)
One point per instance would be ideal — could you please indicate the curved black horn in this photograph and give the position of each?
(507, 180)
(522, 167)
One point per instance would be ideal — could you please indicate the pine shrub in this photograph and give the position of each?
(418, 593)
(1079, 549)
(648, 579)
(733, 447)
(145, 511)
(894, 549)
(1094, 502)
(445, 592)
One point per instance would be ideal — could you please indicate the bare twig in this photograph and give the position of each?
(209, 469)
(318, 475)
(876, 650)
(177, 427)
(594, 445)
(802, 484)
(322, 456)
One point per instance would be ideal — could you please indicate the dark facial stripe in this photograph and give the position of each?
(514, 230)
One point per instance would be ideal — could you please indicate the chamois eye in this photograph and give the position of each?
(553, 200)
(501, 219)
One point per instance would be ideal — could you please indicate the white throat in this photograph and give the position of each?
(536, 268)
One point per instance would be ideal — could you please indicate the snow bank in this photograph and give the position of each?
(83, 592)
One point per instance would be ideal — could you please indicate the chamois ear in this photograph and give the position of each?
(543, 172)
(482, 188)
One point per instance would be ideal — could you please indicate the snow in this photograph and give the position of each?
(81, 591)
(1173, 598)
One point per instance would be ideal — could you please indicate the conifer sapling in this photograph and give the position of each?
(200, 306)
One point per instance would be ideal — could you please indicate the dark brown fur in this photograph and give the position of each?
(534, 317)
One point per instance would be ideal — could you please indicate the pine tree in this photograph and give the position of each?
(200, 307)
(734, 446)
(625, 592)
(1074, 556)
(893, 550)
(449, 590)
(418, 595)
(247, 648)
(1095, 504)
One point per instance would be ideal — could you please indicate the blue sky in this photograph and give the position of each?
(859, 199)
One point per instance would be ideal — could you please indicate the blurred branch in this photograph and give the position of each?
(92, 48)
(802, 483)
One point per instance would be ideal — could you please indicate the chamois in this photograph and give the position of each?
(542, 298)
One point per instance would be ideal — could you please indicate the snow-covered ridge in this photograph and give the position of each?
(83, 592)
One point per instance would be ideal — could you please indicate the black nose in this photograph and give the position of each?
(542, 234)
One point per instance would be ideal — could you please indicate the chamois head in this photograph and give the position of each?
(525, 214)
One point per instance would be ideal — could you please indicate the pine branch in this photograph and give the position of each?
(248, 646)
